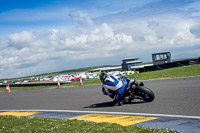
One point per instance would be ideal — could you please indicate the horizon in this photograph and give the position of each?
(83, 68)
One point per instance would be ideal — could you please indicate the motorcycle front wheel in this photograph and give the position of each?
(145, 93)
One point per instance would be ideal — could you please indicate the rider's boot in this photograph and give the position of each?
(139, 83)
(126, 99)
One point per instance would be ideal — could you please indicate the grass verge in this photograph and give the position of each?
(11, 124)
(185, 71)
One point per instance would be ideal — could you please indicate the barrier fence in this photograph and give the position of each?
(32, 84)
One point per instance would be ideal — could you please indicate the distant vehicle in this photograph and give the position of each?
(45, 79)
(74, 79)
(62, 78)
(82, 75)
(91, 75)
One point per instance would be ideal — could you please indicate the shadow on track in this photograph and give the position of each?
(100, 105)
(110, 104)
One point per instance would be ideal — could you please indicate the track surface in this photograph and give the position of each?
(173, 96)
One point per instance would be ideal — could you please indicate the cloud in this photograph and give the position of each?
(106, 40)
(195, 29)
(153, 25)
(193, 7)
(30, 52)
(20, 40)
(81, 17)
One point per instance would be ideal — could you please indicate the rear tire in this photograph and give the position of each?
(145, 93)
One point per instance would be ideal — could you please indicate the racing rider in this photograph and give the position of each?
(114, 83)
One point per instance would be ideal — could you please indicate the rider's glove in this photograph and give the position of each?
(130, 83)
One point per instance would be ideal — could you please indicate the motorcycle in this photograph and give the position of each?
(136, 91)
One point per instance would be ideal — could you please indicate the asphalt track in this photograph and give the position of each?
(174, 98)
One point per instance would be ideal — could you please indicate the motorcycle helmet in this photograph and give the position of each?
(102, 76)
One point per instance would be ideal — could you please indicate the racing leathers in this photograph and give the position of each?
(118, 86)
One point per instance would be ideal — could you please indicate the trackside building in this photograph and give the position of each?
(128, 64)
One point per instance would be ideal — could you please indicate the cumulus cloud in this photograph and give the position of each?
(81, 17)
(28, 52)
(20, 40)
(195, 29)
(153, 24)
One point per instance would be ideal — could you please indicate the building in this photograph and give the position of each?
(161, 58)
(129, 63)
(140, 68)
(107, 69)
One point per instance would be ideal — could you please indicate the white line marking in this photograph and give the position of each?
(114, 113)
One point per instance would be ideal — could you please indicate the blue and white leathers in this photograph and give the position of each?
(117, 85)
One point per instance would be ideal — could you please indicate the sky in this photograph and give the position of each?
(42, 36)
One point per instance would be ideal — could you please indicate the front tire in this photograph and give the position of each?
(145, 93)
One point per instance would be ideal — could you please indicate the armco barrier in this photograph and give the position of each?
(32, 84)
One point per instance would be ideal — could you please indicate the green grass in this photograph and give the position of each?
(85, 82)
(11, 124)
(185, 71)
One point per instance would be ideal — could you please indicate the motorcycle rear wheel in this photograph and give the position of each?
(145, 93)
